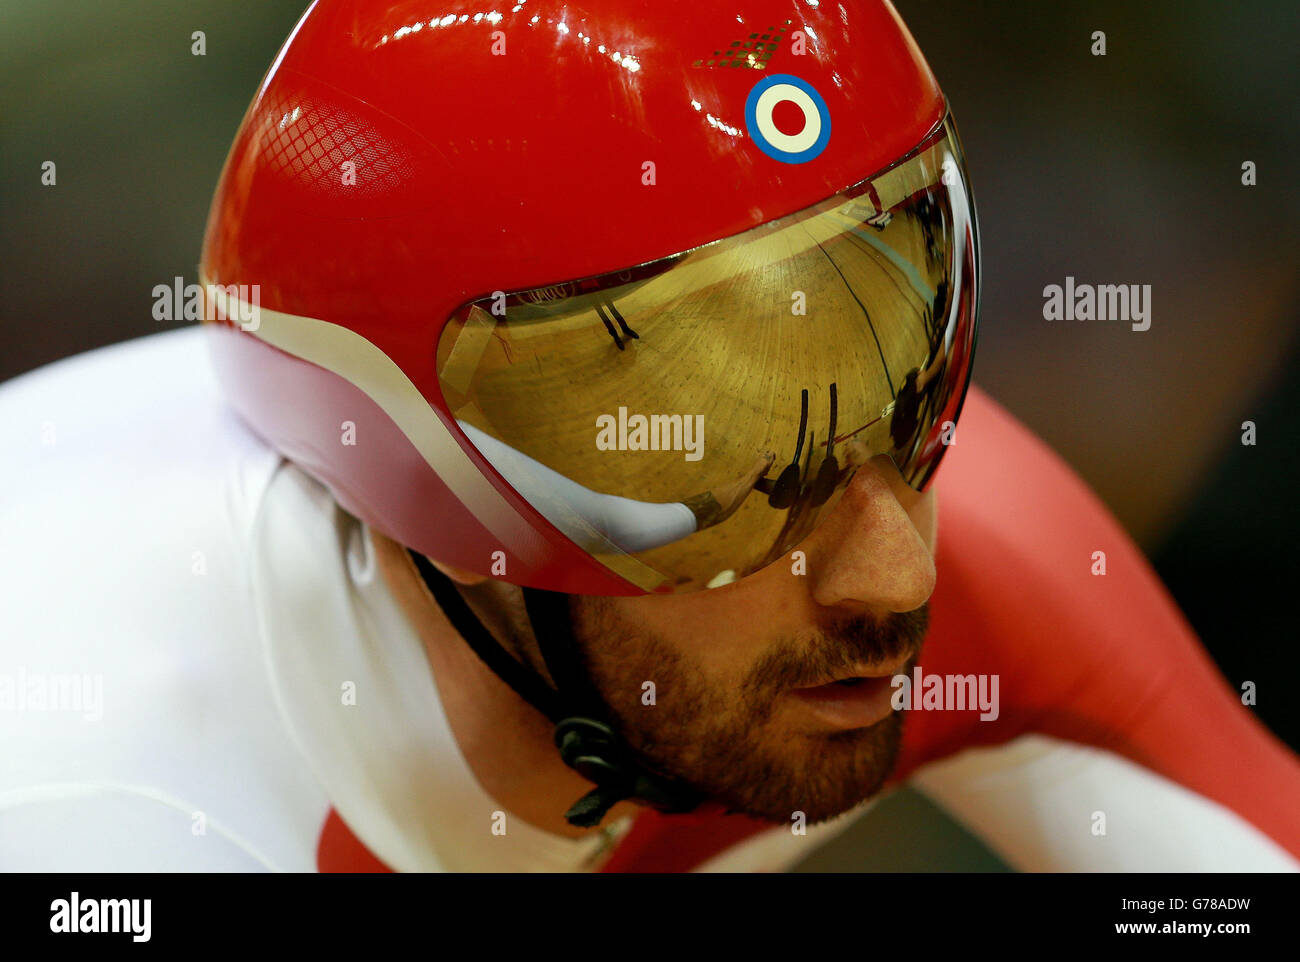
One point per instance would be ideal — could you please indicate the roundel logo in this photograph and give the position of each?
(787, 118)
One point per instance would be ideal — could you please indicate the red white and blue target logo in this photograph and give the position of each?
(787, 118)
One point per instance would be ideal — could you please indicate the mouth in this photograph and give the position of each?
(854, 701)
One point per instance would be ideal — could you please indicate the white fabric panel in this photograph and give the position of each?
(1033, 801)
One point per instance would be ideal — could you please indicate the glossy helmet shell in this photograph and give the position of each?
(503, 149)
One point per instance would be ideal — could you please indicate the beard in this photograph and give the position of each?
(727, 741)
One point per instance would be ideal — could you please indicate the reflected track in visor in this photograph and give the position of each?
(702, 413)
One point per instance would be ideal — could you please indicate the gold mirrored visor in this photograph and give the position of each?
(691, 420)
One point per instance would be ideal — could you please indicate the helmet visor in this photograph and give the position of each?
(690, 420)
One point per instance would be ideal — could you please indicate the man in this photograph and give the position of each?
(484, 589)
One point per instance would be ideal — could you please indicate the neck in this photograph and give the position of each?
(505, 741)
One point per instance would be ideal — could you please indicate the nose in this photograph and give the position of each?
(869, 552)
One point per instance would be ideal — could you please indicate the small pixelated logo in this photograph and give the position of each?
(751, 54)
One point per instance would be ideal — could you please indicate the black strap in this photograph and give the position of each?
(526, 684)
(548, 611)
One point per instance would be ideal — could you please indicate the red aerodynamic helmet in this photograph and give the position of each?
(597, 298)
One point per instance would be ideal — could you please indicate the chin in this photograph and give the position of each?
(822, 776)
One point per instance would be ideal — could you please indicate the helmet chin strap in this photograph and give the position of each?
(584, 735)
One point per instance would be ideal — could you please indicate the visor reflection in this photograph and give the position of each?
(689, 421)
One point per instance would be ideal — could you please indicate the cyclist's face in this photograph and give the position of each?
(725, 711)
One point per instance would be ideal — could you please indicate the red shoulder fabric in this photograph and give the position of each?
(1103, 660)
(338, 850)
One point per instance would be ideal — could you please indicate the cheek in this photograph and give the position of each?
(710, 636)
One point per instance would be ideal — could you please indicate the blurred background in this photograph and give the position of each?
(1117, 169)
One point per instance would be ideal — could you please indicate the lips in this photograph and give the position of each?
(855, 701)
(863, 672)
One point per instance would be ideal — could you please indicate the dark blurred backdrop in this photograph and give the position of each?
(1117, 169)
